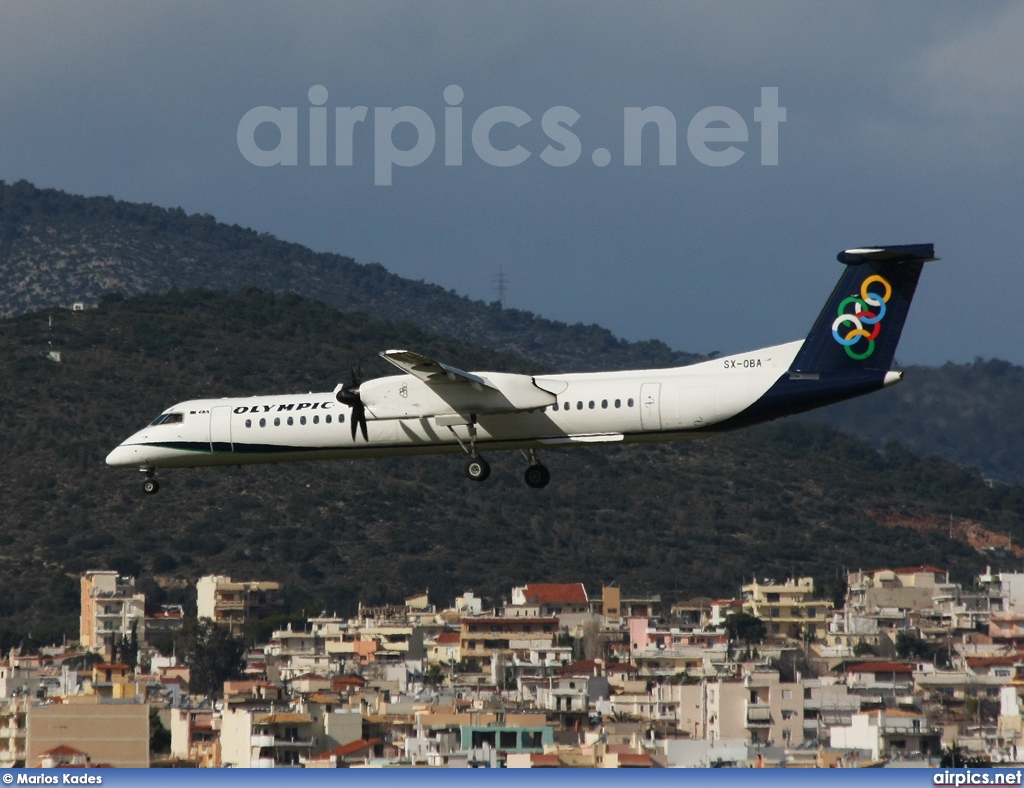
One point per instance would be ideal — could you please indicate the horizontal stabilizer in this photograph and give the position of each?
(910, 253)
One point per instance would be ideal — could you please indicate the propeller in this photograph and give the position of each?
(349, 395)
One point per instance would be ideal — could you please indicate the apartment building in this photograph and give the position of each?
(254, 739)
(790, 609)
(114, 732)
(482, 637)
(231, 604)
(888, 732)
(12, 732)
(760, 709)
(110, 611)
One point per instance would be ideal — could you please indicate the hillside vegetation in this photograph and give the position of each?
(57, 248)
(680, 520)
(969, 413)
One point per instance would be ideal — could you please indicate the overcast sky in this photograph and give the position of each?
(903, 125)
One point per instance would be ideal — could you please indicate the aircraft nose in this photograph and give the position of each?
(122, 455)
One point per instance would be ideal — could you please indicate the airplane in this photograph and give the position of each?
(434, 408)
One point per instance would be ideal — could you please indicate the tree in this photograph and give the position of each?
(743, 626)
(864, 649)
(213, 656)
(159, 736)
(911, 646)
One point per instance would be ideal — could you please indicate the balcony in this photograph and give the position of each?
(759, 715)
(12, 733)
(261, 740)
(8, 758)
(295, 743)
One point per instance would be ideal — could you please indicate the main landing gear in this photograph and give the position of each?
(537, 475)
(478, 469)
(151, 486)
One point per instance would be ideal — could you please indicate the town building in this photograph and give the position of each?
(111, 611)
(232, 604)
(791, 609)
(113, 732)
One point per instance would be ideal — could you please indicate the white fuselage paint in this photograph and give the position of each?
(667, 404)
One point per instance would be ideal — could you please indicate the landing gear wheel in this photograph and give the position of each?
(537, 476)
(151, 486)
(477, 469)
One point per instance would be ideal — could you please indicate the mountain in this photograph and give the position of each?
(57, 248)
(972, 414)
(675, 519)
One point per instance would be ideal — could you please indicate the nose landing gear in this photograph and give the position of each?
(150, 486)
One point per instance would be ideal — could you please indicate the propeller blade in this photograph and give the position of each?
(362, 423)
(349, 395)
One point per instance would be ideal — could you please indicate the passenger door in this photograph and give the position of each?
(220, 429)
(650, 407)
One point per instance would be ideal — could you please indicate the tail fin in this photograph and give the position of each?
(860, 326)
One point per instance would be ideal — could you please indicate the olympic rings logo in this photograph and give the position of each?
(865, 321)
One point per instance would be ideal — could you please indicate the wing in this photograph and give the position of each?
(430, 388)
(430, 371)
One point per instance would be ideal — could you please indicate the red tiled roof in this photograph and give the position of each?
(880, 667)
(447, 638)
(353, 747)
(538, 759)
(908, 570)
(554, 593)
(587, 666)
(62, 749)
(632, 759)
(355, 681)
(984, 662)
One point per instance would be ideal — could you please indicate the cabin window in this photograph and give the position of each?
(263, 422)
(277, 421)
(556, 406)
(604, 403)
(591, 404)
(566, 406)
(316, 419)
(248, 423)
(327, 419)
(629, 402)
(341, 418)
(291, 421)
(302, 419)
(618, 403)
(579, 405)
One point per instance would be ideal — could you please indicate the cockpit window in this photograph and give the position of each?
(168, 418)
